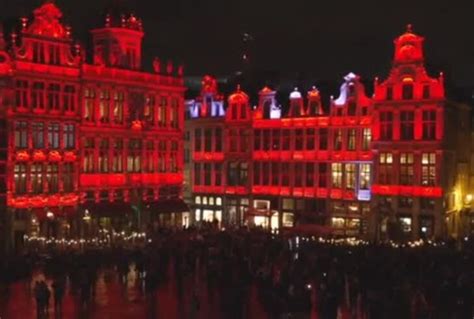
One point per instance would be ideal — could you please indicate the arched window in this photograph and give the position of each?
(243, 111)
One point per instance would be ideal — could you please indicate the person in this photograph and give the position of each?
(58, 288)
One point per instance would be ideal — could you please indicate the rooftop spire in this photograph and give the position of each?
(409, 28)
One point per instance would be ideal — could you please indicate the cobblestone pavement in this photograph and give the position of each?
(116, 300)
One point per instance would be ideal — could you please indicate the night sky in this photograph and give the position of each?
(323, 39)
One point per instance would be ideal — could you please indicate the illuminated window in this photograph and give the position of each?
(385, 168)
(198, 140)
(336, 174)
(407, 125)
(21, 134)
(21, 94)
(287, 220)
(36, 174)
(88, 161)
(19, 175)
(207, 174)
(338, 222)
(89, 95)
(405, 224)
(337, 139)
(351, 139)
(366, 139)
(364, 176)
(299, 140)
(350, 176)
(134, 156)
(429, 125)
(54, 91)
(197, 200)
(386, 125)
(162, 111)
(104, 106)
(53, 135)
(406, 169)
(69, 136)
(323, 139)
(428, 169)
(310, 137)
(38, 95)
(69, 98)
(52, 177)
(149, 110)
(119, 100)
(322, 175)
(407, 91)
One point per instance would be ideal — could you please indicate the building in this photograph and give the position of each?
(390, 166)
(86, 145)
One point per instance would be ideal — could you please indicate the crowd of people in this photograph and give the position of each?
(317, 280)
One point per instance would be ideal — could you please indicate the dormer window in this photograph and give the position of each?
(234, 113)
(426, 91)
(38, 52)
(407, 91)
(389, 93)
(267, 109)
(243, 112)
(54, 55)
(313, 108)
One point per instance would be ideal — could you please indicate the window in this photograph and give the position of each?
(218, 174)
(243, 111)
(336, 173)
(405, 224)
(386, 125)
(207, 174)
(234, 111)
(104, 106)
(207, 140)
(119, 100)
(298, 175)
(134, 156)
(366, 139)
(256, 173)
(275, 140)
(285, 174)
(117, 161)
(406, 169)
(426, 91)
(88, 162)
(198, 140)
(429, 125)
(54, 54)
(37, 95)
(385, 168)
(149, 111)
(53, 135)
(310, 137)
(267, 109)
(285, 139)
(19, 173)
(407, 125)
(243, 174)
(266, 173)
(162, 111)
(69, 138)
(364, 176)
(350, 176)
(257, 146)
(38, 134)
(233, 140)
(323, 139)
(266, 144)
(309, 174)
(313, 107)
(54, 91)
(21, 94)
(162, 156)
(275, 173)
(351, 139)
(21, 134)
(218, 137)
(174, 113)
(407, 91)
(174, 157)
(389, 93)
(337, 139)
(351, 108)
(52, 177)
(38, 52)
(427, 203)
(428, 169)
(69, 98)
(89, 95)
(299, 140)
(197, 173)
(322, 175)
(37, 178)
(405, 202)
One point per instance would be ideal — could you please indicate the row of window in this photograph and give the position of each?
(44, 135)
(407, 125)
(108, 107)
(407, 92)
(311, 139)
(43, 178)
(45, 96)
(406, 164)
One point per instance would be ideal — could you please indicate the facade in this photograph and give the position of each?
(87, 145)
(388, 166)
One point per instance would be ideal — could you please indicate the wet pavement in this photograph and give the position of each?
(116, 300)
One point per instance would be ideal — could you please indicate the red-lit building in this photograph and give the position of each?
(349, 168)
(87, 145)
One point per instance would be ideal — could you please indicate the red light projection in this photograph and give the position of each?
(417, 191)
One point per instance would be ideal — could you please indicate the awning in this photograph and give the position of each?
(167, 206)
(108, 209)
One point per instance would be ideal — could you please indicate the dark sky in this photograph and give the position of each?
(325, 39)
